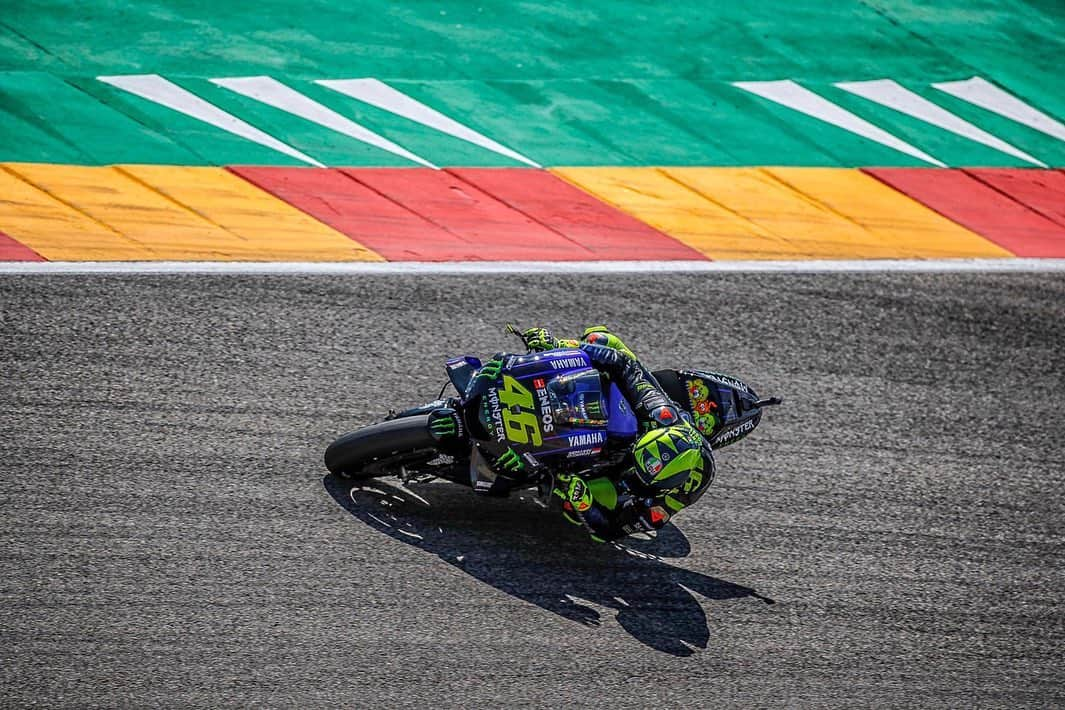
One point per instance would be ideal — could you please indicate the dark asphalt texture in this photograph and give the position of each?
(892, 536)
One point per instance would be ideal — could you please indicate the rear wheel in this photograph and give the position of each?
(383, 449)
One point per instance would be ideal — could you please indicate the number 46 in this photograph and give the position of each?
(521, 425)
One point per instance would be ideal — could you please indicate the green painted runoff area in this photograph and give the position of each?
(602, 82)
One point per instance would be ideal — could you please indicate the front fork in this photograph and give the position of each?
(450, 440)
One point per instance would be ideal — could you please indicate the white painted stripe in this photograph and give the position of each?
(887, 92)
(370, 268)
(384, 97)
(272, 92)
(986, 95)
(788, 93)
(166, 93)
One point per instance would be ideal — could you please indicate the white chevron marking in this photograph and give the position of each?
(986, 95)
(384, 97)
(166, 93)
(895, 96)
(788, 93)
(272, 92)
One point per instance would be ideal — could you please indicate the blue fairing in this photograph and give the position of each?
(622, 421)
(460, 370)
(558, 410)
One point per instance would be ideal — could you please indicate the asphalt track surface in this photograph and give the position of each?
(891, 536)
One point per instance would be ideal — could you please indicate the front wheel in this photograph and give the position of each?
(382, 449)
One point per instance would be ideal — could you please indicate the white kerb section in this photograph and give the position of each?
(798, 98)
(986, 95)
(895, 96)
(371, 268)
(272, 92)
(158, 90)
(380, 95)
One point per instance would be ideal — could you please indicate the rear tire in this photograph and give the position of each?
(380, 449)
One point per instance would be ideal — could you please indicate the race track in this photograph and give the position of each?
(891, 536)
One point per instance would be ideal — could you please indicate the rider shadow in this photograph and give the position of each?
(532, 554)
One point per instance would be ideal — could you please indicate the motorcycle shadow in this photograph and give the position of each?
(533, 554)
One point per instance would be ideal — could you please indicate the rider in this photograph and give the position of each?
(667, 469)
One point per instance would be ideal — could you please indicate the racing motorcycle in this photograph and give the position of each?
(552, 408)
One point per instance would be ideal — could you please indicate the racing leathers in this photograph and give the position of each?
(667, 469)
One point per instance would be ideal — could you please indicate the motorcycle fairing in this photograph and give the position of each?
(484, 480)
(721, 407)
(460, 370)
(551, 407)
(622, 422)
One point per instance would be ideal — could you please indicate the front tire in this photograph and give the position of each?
(381, 449)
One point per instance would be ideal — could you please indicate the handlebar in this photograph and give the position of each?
(515, 330)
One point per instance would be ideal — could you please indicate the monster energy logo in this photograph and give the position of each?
(740, 430)
(589, 408)
(496, 414)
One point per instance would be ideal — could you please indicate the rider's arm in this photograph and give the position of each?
(606, 513)
(651, 405)
(610, 512)
(600, 335)
(596, 505)
(654, 409)
(539, 339)
(610, 355)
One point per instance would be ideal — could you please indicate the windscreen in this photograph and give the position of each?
(577, 400)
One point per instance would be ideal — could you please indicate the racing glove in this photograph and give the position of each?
(573, 490)
(538, 339)
(578, 505)
(629, 515)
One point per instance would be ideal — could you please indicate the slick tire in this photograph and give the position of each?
(380, 449)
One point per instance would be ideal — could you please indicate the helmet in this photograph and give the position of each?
(666, 457)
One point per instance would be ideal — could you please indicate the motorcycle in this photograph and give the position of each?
(552, 408)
